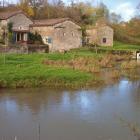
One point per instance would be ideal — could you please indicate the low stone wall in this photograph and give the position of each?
(24, 49)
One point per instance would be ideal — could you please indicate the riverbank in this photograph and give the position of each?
(76, 69)
(28, 70)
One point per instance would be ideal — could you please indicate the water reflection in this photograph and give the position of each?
(70, 115)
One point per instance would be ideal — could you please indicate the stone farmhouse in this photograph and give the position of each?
(58, 34)
(20, 23)
(101, 35)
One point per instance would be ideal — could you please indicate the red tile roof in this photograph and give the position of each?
(49, 22)
(7, 14)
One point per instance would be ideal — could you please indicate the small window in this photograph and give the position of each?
(64, 34)
(72, 34)
(104, 40)
(49, 40)
(20, 27)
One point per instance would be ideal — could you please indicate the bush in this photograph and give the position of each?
(35, 38)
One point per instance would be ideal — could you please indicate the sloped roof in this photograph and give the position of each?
(97, 27)
(7, 14)
(49, 22)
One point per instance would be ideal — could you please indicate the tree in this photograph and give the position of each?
(24, 5)
(102, 11)
(115, 18)
(10, 32)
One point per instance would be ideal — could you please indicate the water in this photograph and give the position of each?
(94, 114)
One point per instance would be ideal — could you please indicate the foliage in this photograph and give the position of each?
(26, 8)
(128, 32)
(10, 33)
(10, 26)
(35, 38)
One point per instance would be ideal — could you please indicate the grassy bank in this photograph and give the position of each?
(122, 47)
(29, 71)
(77, 68)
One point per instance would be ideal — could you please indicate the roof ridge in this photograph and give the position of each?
(49, 22)
(8, 14)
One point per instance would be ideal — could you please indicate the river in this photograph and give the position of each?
(95, 114)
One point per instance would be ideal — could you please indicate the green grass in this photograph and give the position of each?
(28, 71)
(122, 47)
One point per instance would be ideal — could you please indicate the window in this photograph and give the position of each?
(72, 34)
(49, 40)
(64, 34)
(20, 27)
(104, 40)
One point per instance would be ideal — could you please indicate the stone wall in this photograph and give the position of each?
(92, 36)
(100, 34)
(107, 33)
(24, 49)
(3, 26)
(63, 36)
(20, 22)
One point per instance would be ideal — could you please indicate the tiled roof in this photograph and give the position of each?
(49, 22)
(8, 14)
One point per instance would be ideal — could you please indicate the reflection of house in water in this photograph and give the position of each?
(35, 100)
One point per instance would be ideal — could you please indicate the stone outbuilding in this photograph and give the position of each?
(101, 35)
(60, 34)
(20, 25)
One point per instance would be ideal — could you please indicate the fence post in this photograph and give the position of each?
(15, 138)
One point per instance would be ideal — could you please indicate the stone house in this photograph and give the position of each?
(59, 34)
(20, 25)
(101, 35)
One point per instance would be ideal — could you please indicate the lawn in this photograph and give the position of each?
(122, 47)
(29, 71)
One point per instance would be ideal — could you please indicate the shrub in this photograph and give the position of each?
(35, 38)
(129, 65)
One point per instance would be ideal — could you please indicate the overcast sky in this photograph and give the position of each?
(126, 8)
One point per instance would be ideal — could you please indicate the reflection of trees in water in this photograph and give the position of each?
(37, 99)
(34, 99)
(135, 90)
